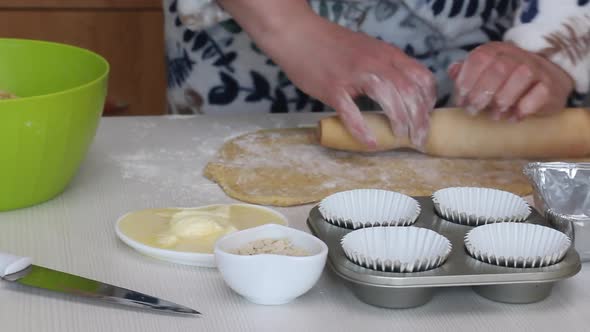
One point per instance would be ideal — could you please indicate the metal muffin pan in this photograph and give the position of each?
(407, 290)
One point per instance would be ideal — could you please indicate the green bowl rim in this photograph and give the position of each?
(72, 47)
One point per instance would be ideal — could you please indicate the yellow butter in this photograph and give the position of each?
(195, 229)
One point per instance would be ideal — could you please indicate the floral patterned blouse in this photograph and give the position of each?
(213, 66)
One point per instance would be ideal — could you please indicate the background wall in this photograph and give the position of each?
(128, 33)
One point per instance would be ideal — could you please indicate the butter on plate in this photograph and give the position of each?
(195, 224)
(174, 233)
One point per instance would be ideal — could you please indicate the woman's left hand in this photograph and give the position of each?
(509, 82)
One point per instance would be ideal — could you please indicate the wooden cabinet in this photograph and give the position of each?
(128, 33)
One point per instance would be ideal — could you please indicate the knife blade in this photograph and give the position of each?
(21, 270)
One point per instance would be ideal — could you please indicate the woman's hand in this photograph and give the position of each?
(509, 82)
(336, 65)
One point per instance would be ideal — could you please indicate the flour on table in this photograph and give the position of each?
(166, 171)
(141, 129)
(175, 174)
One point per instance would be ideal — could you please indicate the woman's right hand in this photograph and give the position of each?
(336, 65)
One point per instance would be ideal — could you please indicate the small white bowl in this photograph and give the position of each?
(182, 257)
(360, 208)
(270, 279)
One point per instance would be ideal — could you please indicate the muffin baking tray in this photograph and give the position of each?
(406, 290)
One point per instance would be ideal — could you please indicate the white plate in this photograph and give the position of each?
(182, 257)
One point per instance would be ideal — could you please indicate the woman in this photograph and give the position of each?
(510, 58)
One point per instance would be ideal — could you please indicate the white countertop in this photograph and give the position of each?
(145, 162)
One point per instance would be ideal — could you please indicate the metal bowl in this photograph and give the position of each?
(562, 193)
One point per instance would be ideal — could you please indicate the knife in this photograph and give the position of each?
(21, 270)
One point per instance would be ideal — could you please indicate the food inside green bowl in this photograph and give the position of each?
(6, 95)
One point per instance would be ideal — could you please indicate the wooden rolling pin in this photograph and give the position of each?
(454, 133)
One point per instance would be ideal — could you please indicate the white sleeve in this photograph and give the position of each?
(200, 14)
(559, 30)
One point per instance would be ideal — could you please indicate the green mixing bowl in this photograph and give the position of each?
(45, 133)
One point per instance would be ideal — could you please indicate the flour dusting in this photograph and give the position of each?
(175, 173)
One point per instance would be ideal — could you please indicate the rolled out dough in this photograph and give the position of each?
(286, 167)
(454, 133)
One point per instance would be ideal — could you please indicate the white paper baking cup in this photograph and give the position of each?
(396, 249)
(369, 207)
(479, 206)
(517, 245)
